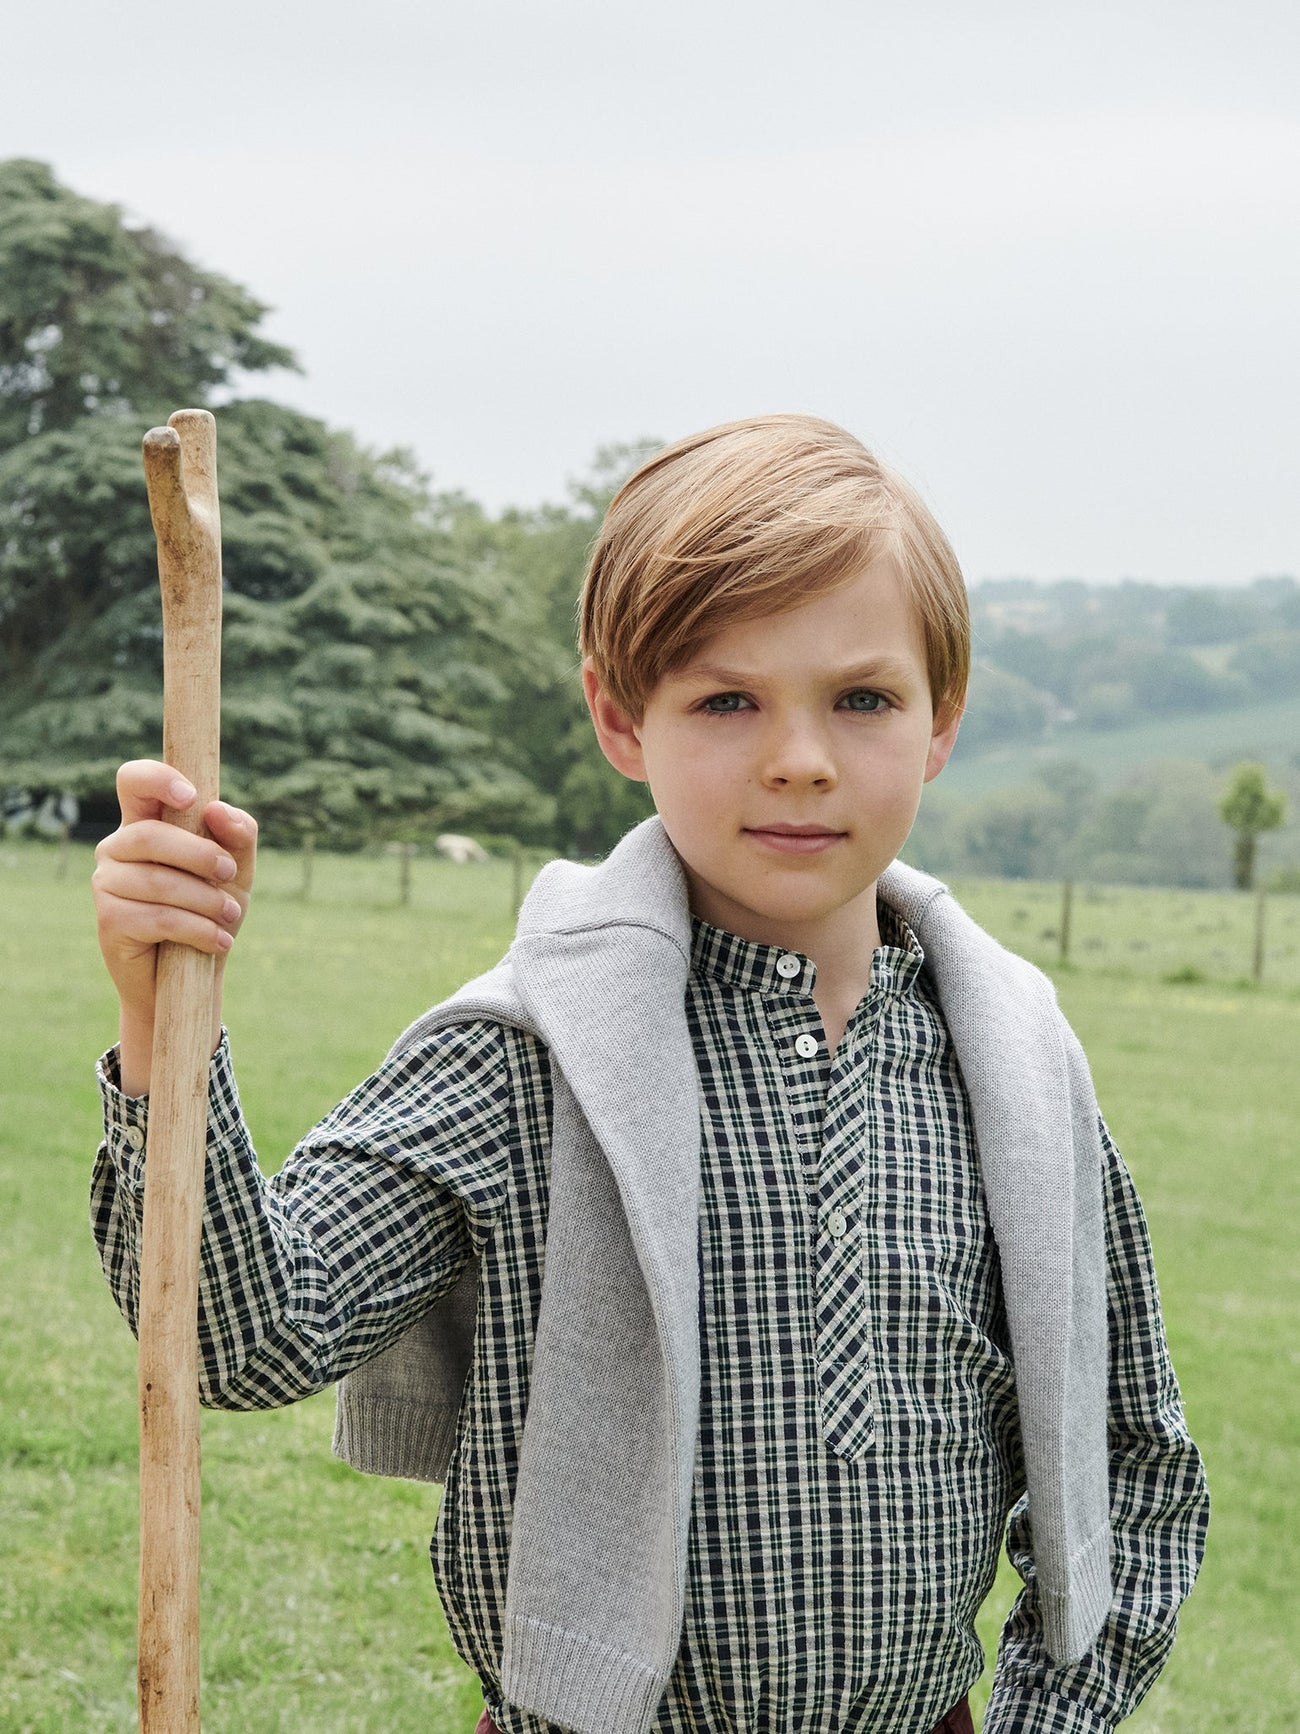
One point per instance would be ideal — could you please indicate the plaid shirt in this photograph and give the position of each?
(858, 1449)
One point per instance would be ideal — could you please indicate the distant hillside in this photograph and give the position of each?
(1056, 664)
(1102, 724)
(1267, 731)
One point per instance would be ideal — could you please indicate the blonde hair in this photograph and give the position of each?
(751, 518)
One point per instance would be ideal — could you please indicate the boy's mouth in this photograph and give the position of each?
(795, 839)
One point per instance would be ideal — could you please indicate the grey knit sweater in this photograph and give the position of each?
(598, 971)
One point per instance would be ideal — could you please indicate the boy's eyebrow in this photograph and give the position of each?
(854, 673)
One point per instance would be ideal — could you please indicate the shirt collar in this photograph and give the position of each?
(753, 967)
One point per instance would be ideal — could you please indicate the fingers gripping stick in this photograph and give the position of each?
(181, 475)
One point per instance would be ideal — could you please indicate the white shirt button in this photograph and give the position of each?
(837, 1224)
(135, 1137)
(788, 965)
(805, 1046)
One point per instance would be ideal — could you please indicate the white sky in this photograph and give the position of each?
(1045, 258)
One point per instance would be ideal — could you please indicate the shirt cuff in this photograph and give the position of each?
(126, 1118)
(1013, 1712)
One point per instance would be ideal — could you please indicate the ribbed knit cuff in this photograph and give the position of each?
(379, 1436)
(567, 1678)
(1070, 1626)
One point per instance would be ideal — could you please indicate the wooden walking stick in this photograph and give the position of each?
(180, 462)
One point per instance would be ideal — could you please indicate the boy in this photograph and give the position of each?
(747, 1245)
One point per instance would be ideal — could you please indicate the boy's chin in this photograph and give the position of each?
(770, 913)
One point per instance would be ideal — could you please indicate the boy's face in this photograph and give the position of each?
(786, 760)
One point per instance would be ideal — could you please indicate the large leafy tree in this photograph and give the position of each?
(362, 666)
(365, 658)
(100, 317)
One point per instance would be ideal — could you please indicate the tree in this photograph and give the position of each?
(1001, 707)
(104, 329)
(1270, 662)
(1016, 833)
(1177, 845)
(1028, 655)
(100, 318)
(1144, 679)
(1211, 616)
(364, 663)
(1249, 808)
(362, 667)
(535, 561)
(1157, 828)
(75, 539)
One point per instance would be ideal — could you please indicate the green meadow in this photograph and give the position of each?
(319, 1612)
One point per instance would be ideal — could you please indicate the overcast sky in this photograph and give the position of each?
(1044, 258)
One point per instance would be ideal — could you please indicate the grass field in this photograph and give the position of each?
(1178, 937)
(319, 1616)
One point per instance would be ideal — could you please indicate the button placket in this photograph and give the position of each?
(845, 1343)
(789, 1009)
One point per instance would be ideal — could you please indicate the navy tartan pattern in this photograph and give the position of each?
(858, 1449)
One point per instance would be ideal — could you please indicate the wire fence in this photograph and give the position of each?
(1175, 935)
(1169, 934)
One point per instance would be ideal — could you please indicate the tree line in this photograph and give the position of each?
(396, 660)
(1175, 822)
(1052, 660)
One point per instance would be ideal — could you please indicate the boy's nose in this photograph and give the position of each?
(798, 756)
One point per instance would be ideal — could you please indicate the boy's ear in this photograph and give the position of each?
(617, 733)
(943, 737)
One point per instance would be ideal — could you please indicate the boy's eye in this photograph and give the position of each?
(723, 703)
(864, 700)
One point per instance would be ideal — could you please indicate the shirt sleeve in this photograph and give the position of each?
(1159, 1513)
(305, 1276)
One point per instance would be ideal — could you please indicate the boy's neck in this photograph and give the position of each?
(840, 945)
(842, 980)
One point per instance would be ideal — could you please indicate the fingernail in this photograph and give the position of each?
(230, 910)
(224, 940)
(181, 791)
(225, 868)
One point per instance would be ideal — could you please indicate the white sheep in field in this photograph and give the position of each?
(459, 849)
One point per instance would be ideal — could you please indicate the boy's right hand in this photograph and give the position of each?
(155, 881)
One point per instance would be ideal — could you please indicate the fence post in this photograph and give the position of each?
(1261, 897)
(308, 854)
(405, 852)
(1067, 903)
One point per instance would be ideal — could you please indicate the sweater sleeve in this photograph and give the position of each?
(1159, 1513)
(305, 1276)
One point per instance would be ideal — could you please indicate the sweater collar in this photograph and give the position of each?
(641, 885)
